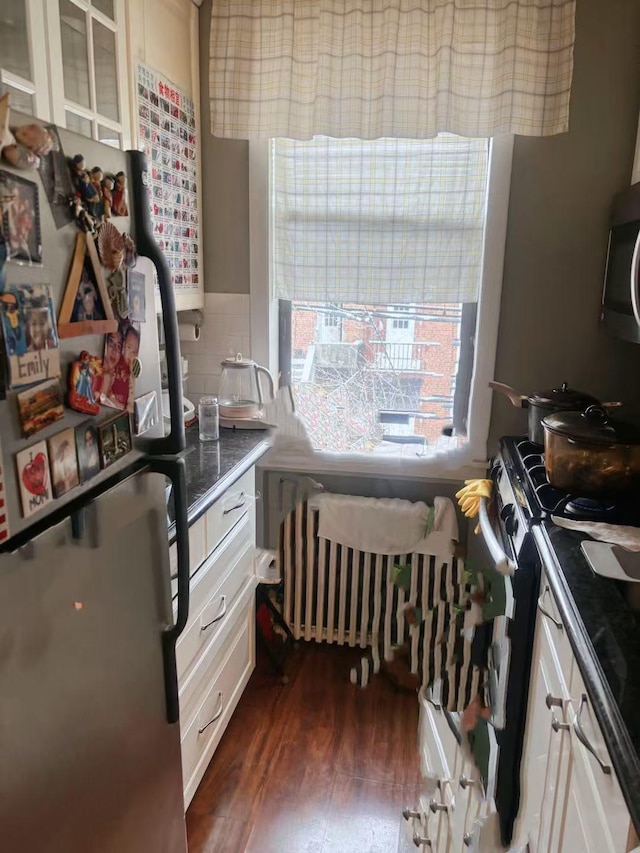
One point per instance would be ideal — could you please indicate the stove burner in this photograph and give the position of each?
(588, 508)
(543, 498)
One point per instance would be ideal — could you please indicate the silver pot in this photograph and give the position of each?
(543, 403)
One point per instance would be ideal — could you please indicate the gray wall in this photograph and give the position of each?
(225, 183)
(561, 194)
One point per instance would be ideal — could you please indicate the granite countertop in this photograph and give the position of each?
(212, 466)
(605, 636)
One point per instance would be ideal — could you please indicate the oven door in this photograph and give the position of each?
(492, 554)
(620, 298)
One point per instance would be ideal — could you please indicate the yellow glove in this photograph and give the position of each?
(470, 495)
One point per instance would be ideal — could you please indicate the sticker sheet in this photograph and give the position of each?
(167, 131)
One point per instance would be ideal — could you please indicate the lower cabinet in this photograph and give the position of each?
(215, 654)
(572, 802)
(453, 814)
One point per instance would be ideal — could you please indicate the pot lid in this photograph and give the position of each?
(237, 361)
(563, 397)
(593, 425)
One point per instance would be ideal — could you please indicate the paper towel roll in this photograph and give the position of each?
(188, 332)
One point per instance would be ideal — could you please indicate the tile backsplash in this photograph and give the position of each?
(225, 332)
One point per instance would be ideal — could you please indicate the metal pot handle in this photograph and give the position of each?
(595, 411)
(519, 401)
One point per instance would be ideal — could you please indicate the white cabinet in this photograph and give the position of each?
(570, 804)
(453, 813)
(215, 654)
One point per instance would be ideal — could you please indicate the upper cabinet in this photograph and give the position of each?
(66, 61)
(76, 63)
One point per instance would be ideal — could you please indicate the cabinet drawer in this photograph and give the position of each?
(194, 683)
(211, 571)
(237, 501)
(556, 633)
(203, 733)
(438, 747)
(213, 600)
(604, 807)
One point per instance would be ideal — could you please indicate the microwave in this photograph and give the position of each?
(621, 294)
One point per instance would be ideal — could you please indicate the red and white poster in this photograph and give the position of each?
(167, 131)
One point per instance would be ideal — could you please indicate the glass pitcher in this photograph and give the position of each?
(240, 391)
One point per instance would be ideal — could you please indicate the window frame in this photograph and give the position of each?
(265, 327)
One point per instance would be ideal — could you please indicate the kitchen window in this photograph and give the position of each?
(381, 302)
(64, 61)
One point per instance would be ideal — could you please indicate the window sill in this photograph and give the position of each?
(401, 468)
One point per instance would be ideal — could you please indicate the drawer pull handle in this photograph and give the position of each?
(546, 613)
(465, 783)
(467, 839)
(552, 701)
(408, 814)
(221, 614)
(557, 726)
(421, 840)
(215, 717)
(584, 740)
(438, 807)
(240, 501)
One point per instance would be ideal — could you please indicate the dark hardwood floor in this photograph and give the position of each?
(315, 766)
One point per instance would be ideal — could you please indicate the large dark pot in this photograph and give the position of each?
(543, 403)
(590, 454)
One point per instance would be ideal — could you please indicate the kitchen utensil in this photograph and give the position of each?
(240, 392)
(590, 454)
(543, 403)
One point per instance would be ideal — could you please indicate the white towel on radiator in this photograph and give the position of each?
(386, 525)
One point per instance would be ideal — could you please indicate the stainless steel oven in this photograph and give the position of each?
(505, 549)
(620, 296)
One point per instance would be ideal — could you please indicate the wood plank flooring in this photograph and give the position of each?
(315, 766)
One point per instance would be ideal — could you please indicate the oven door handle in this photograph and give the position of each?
(503, 563)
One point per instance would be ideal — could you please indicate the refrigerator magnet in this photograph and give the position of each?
(39, 407)
(33, 475)
(85, 382)
(20, 218)
(145, 412)
(115, 440)
(85, 309)
(30, 334)
(64, 462)
(87, 447)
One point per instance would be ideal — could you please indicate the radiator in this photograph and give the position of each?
(339, 595)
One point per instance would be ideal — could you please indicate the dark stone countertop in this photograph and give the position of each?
(212, 466)
(605, 636)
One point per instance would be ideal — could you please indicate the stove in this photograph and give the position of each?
(524, 462)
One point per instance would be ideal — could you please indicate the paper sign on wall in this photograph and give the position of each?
(167, 131)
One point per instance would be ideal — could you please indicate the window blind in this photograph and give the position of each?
(378, 222)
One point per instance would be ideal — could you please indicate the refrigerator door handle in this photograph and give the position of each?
(174, 469)
(147, 246)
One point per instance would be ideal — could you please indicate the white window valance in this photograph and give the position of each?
(390, 68)
(378, 222)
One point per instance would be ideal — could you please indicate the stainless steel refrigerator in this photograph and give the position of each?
(89, 730)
